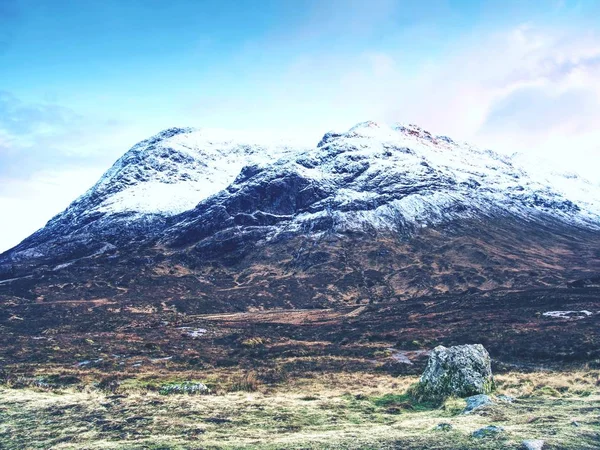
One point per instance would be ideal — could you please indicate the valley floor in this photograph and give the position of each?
(96, 375)
(315, 411)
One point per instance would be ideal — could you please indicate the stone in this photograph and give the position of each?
(505, 398)
(533, 444)
(444, 426)
(477, 401)
(490, 430)
(461, 371)
(186, 387)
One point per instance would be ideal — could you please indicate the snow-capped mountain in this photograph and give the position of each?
(394, 178)
(440, 215)
(174, 170)
(157, 178)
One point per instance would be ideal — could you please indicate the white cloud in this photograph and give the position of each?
(521, 89)
(525, 89)
(49, 155)
(26, 204)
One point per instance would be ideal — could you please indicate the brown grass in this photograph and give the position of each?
(315, 410)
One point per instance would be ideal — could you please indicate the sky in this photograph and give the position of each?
(81, 81)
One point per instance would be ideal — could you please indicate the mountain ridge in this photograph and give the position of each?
(440, 215)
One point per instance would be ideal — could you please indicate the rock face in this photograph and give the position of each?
(462, 371)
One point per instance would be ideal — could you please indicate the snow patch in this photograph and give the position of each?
(568, 314)
(193, 332)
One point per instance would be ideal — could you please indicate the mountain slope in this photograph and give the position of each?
(157, 178)
(396, 179)
(372, 214)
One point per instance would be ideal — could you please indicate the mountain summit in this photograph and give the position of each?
(374, 213)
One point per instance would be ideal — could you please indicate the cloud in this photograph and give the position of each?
(546, 99)
(524, 89)
(345, 17)
(49, 155)
(20, 118)
(27, 203)
(42, 136)
(537, 110)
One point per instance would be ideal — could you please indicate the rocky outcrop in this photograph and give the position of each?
(461, 371)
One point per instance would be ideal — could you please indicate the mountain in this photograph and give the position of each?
(211, 221)
(157, 178)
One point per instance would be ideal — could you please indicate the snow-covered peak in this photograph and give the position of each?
(177, 168)
(376, 172)
(373, 175)
(570, 184)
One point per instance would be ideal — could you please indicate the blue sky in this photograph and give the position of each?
(82, 81)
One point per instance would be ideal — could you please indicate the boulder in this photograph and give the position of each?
(444, 426)
(534, 444)
(461, 371)
(186, 387)
(477, 401)
(489, 431)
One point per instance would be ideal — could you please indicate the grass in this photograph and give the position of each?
(311, 411)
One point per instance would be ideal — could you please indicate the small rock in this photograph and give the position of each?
(443, 426)
(505, 398)
(534, 444)
(477, 401)
(490, 430)
(187, 387)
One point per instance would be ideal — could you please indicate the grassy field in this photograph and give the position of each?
(89, 376)
(77, 409)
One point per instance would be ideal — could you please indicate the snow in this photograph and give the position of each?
(10, 280)
(157, 197)
(381, 173)
(578, 189)
(171, 175)
(568, 314)
(194, 332)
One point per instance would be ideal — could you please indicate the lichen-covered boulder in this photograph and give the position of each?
(461, 371)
